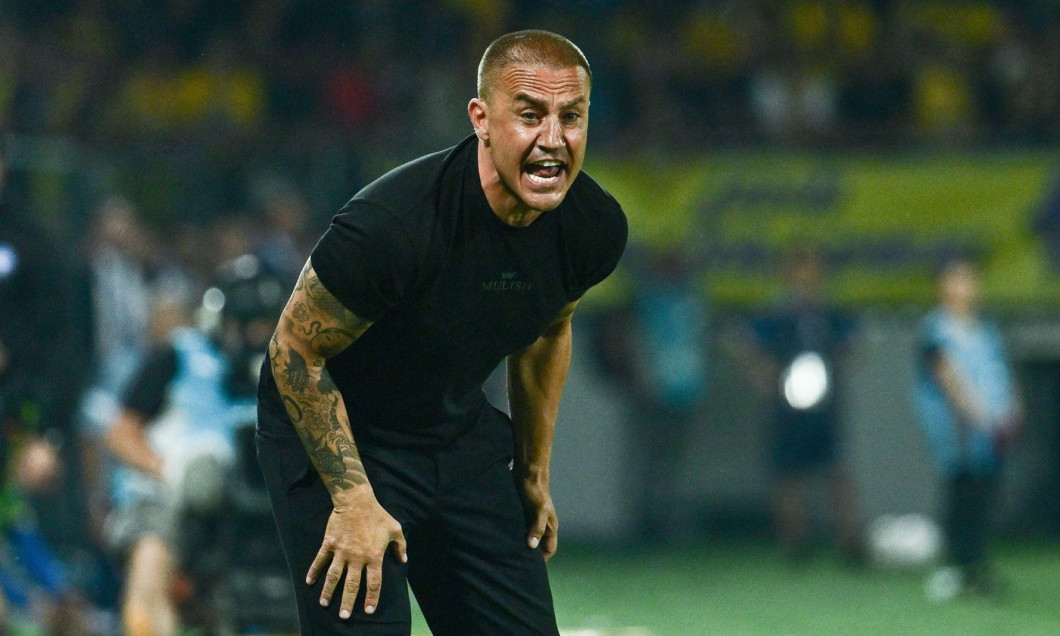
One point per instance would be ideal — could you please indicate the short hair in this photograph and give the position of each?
(954, 263)
(532, 47)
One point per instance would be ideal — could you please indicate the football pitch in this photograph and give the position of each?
(747, 588)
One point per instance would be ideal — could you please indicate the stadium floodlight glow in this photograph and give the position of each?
(8, 260)
(213, 300)
(246, 266)
(805, 383)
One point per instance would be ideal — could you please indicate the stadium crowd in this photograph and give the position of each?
(677, 73)
(196, 98)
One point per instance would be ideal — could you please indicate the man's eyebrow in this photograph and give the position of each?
(542, 105)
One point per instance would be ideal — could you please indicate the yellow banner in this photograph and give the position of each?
(883, 223)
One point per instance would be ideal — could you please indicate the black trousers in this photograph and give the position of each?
(969, 500)
(468, 563)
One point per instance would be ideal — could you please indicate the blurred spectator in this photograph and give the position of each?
(794, 355)
(658, 348)
(40, 367)
(36, 589)
(285, 241)
(971, 411)
(1047, 220)
(230, 235)
(40, 346)
(174, 439)
(942, 98)
(119, 250)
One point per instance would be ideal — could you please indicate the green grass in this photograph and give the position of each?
(748, 589)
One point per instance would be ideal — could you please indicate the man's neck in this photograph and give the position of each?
(508, 208)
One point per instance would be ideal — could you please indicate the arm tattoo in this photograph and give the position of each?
(315, 327)
(297, 376)
(322, 298)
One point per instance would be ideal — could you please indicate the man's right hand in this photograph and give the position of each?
(358, 534)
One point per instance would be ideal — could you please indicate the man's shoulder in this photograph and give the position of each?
(409, 185)
(594, 209)
(936, 327)
(587, 192)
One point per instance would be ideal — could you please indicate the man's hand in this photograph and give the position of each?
(535, 382)
(37, 466)
(356, 539)
(542, 522)
(314, 327)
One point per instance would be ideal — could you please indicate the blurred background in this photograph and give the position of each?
(883, 136)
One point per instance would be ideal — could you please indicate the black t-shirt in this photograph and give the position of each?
(451, 289)
(147, 391)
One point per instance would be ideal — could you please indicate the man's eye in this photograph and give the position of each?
(529, 116)
(571, 117)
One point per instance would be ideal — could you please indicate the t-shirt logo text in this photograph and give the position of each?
(507, 282)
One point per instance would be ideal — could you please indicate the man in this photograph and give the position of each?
(374, 434)
(969, 406)
(656, 346)
(174, 436)
(797, 349)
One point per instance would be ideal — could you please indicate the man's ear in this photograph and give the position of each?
(478, 112)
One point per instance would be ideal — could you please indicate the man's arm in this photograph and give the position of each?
(126, 440)
(144, 399)
(315, 326)
(966, 408)
(536, 376)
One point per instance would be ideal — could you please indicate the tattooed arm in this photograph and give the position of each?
(315, 326)
(536, 376)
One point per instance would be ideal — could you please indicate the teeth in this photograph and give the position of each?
(550, 163)
(537, 179)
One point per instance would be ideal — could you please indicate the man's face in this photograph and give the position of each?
(960, 288)
(534, 125)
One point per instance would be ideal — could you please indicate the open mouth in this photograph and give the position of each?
(544, 173)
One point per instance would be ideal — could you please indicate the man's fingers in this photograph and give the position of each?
(356, 563)
(323, 555)
(373, 582)
(331, 581)
(537, 531)
(399, 548)
(550, 541)
(349, 592)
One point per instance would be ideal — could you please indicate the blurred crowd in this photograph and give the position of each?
(80, 322)
(186, 104)
(672, 73)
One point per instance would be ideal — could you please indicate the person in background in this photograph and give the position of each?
(173, 437)
(36, 589)
(969, 405)
(41, 365)
(121, 294)
(794, 355)
(656, 345)
(284, 242)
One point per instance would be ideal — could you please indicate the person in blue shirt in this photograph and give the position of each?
(175, 436)
(656, 346)
(969, 405)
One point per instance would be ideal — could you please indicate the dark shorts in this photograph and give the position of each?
(804, 442)
(468, 563)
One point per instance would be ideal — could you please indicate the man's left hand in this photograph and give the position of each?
(541, 519)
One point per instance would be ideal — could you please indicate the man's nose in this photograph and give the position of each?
(551, 134)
